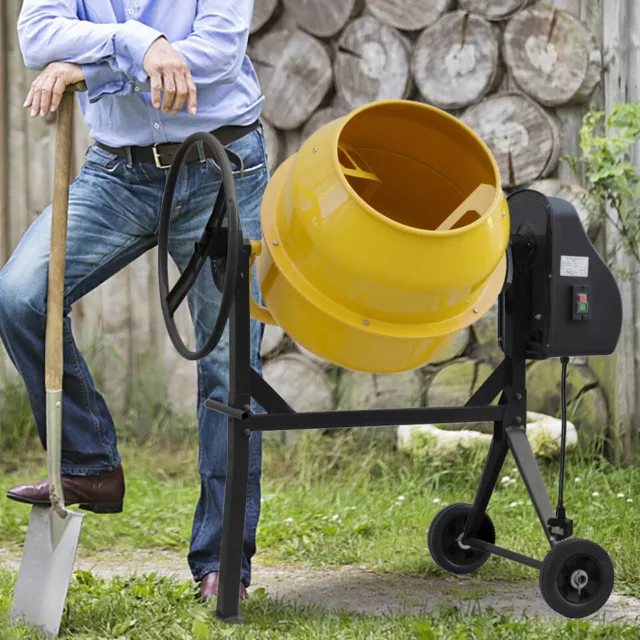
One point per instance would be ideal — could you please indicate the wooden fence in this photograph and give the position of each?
(317, 61)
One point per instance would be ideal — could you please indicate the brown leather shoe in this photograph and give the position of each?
(209, 587)
(102, 493)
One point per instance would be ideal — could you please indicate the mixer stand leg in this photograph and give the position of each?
(238, 455)
(498, 450)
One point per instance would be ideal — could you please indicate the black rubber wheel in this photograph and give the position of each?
(576, 578)
(444, 540)
(224, 269)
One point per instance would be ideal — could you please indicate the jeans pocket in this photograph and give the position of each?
(100, 158)
(251, 150)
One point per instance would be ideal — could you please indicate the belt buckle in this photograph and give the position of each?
(156, 157)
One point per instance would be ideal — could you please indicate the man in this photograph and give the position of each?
(156, 71)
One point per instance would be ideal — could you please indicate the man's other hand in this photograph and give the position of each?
(47, 89)
(170, 75)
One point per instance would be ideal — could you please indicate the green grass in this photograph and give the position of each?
(330, 505)
(337, 501)
(157, 608)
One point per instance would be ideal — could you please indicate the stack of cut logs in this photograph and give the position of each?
(499, 65)
(502, 66)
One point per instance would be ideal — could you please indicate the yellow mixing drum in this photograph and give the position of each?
(383, 237)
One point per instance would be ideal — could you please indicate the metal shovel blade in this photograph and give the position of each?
(46, 568)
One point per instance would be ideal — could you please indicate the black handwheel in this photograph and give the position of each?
(224, 258)
(576, 578)
(445, 540)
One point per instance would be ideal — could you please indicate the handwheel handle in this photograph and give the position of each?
(258, 311)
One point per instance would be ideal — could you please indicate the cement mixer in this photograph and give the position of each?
(383, 237)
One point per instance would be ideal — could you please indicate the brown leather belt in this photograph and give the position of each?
(162, 154)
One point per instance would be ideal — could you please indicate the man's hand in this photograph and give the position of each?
(47, 89)
(170, 74)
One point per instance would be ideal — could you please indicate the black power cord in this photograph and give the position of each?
(561, 526)
(563, 439)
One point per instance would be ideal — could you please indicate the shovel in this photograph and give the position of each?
(53, 533)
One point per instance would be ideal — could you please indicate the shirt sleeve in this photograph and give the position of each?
(50, 31)
(102, 79)
(215, 49)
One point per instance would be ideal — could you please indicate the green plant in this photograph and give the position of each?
(612, 179)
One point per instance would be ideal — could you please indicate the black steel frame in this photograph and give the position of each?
(508, 417)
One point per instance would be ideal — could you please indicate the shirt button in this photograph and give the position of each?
(137, 89)
(131, 12)
(156, 125)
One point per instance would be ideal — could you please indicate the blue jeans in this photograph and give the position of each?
(113, 219)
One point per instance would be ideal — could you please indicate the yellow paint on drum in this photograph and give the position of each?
(384, 236)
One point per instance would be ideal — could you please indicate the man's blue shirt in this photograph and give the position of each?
(110, 38)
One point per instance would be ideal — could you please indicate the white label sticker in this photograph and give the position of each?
(574, 266)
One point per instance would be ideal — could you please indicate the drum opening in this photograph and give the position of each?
(417, 166)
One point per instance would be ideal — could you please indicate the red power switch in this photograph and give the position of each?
(581, 309)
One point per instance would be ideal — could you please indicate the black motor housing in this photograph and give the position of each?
(572, 304)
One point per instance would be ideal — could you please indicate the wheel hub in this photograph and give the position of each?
(461, 544)
(579, 579)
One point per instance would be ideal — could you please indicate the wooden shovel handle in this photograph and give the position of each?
(55, 291)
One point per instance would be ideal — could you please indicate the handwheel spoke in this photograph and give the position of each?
(185, 282)
(213, 227)
(590, 588)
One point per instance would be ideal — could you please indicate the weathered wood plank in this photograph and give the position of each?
(18, 179)
(182, 374)
(40, 160)
(141, 356)
(632, 96)
(116, 322)
(4, 184)
(623, 388)
(570, 116)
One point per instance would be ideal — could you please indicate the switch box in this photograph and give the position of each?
(581, 302)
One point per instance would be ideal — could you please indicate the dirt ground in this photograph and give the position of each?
(352, 588)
